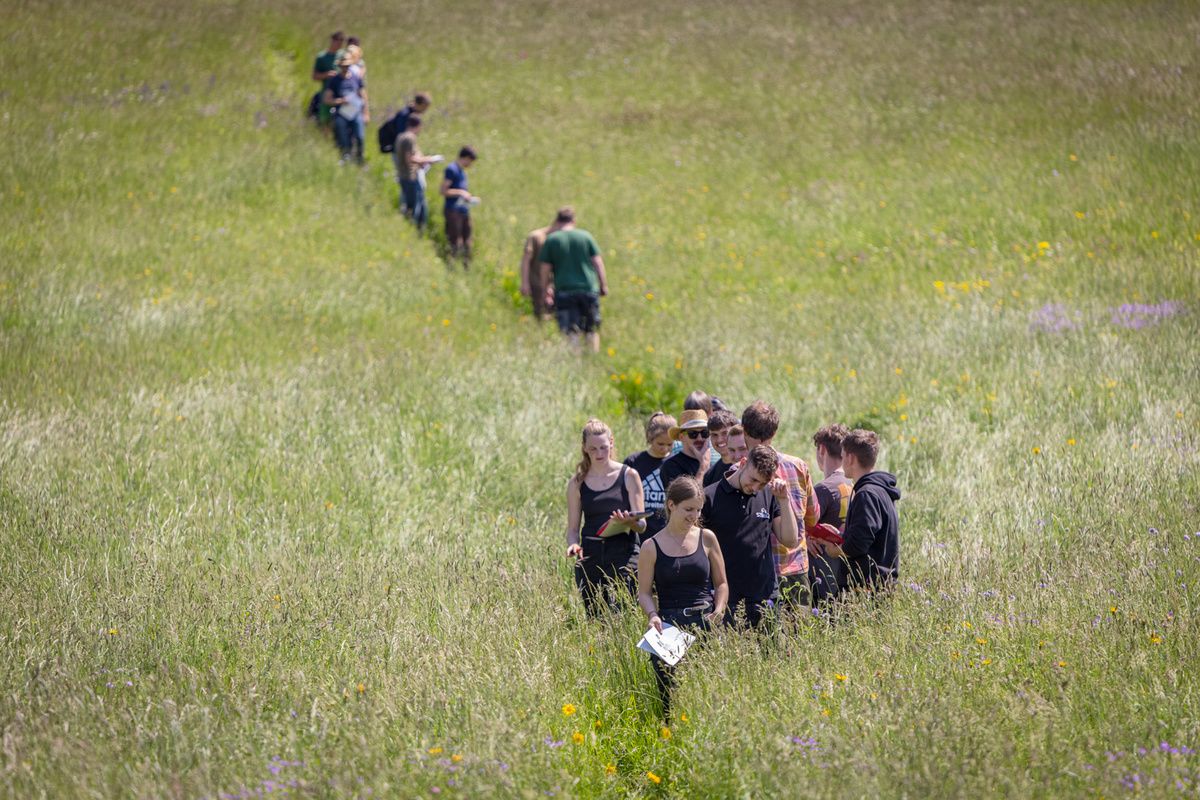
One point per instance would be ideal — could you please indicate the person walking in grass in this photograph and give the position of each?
(761, 422)
(825, 574)
(531, 273)
(720, 422)
(647, 462)
(748, 511)
(871, 539)
(457, 209)
(410, 162)
(324, 70)
(683, 566)
(573, 276)
(603, 497)
(395, 127)
(345, 95)
(359, 70)
(692, 433)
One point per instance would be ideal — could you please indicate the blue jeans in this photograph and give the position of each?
(346, 133)
(412, 194)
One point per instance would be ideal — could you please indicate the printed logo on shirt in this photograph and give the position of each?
(652, 489)
(763, 514)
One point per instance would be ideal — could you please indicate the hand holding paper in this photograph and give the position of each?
(670, 645)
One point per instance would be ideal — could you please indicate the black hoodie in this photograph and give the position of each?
(872, 535)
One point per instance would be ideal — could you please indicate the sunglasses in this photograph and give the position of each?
(700, 434)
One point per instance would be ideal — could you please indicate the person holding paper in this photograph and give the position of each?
(683, 564)
(344, 93)
(604, 500)
(411, 161)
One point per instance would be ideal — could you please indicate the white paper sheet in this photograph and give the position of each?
(670, 645)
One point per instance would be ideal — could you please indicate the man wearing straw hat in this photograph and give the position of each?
(692, 432)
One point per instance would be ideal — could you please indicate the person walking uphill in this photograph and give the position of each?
(345, 94)
(573, 274)
(603, 495)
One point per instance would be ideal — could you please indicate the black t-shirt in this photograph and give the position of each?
(647, 469)
(674, 466)
(742, 524)
(716, 471)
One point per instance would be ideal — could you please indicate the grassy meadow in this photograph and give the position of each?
(281, 496)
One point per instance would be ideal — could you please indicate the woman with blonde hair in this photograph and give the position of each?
(604, 498)
(647, 462)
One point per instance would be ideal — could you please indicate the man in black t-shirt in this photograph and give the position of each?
(692, 433)
(744, 510)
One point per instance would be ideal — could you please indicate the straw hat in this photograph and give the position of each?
(350, 56)
(690, 420)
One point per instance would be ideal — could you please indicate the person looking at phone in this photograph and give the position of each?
(682, 563)
(603, 494)
(457, 209)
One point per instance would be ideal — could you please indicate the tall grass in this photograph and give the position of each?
(281, 498)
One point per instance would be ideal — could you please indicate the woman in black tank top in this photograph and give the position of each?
(602, 498)
(683, 564)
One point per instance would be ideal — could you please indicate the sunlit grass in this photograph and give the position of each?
(282, 496)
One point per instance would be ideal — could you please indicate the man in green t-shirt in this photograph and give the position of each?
(324, 68)
(573, 274)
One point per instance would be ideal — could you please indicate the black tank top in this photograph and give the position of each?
(682, 581)
(597, 507)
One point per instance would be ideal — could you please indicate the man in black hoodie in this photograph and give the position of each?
(872, 534)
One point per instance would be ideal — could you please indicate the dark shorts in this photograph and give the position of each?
(578, 312)
(458, 227)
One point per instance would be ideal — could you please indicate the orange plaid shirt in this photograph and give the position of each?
(803, 499)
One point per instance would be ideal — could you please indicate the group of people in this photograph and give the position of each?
(711, 525)
(343, 101)
(561, 268)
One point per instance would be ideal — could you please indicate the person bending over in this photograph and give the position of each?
(603, 491)
(682, 564)
(747, 511)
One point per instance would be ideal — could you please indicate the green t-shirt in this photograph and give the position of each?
(325, 62)
(570, 254)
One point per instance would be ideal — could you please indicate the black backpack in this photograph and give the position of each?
(391, 129)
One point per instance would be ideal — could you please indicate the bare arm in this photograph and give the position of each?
(525, 265)
(645, 571)
(574, 515)
(637, 502)
(598, 263)
(716, 571)
(329, 100)
(446, 191)
(784, 526)
(546, 281)
(366, 104)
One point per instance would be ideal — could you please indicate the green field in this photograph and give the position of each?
(281, 496)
